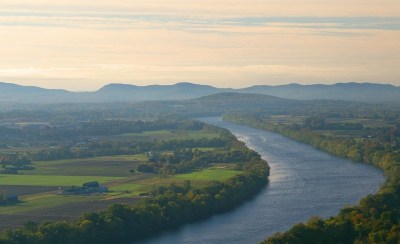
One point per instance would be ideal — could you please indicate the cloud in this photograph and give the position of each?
(124, 21)
(82, 44)
(216, 8)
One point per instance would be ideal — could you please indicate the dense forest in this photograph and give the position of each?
(376, 218)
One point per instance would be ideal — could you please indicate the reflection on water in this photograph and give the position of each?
(304, 182)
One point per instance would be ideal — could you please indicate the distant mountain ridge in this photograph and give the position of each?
(157, 92)
(360, 92)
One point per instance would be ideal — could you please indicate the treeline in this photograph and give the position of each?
(318, 123)
(74, 130)
(169, 208)
(167, 157)
(376, 218)
(81, 141)
(185, 160)
(109, 148)
(214, 105)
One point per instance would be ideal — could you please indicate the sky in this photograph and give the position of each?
(85, 44)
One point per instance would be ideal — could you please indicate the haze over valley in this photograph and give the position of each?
(360, 92)
(228, 121)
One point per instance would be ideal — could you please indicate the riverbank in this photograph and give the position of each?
(375, 218)
(304, 182)
(165, 207)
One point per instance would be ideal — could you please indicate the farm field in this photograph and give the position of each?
(115, 166)
(164, 135)
(217, 172)
(43, 201)
(38, 189)
(51, 180)
(69, 210)
(197, 179)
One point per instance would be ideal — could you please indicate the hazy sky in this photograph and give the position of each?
(84, 44)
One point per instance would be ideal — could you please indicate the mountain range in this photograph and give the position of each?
(360, 92)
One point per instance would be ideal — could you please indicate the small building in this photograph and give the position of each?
(86, 188)
(91, 184)
(13, 171)
(9, 198)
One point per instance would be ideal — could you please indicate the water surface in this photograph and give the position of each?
(304, 182)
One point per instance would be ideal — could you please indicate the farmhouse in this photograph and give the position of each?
(93, 184)
(9, 171)
(8, 198)
(11, 197)
(86, 188)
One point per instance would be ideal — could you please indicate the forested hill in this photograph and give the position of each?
(360, 92)
(11, 93)
(155, 92)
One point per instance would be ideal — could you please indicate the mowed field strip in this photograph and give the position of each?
(51, 180)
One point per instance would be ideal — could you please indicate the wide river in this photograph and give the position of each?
(304, 182)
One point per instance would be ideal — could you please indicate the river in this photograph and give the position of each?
(304, 182)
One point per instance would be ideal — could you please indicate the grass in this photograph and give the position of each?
(208, 174)
(206, 149)
(38, 188)
(166, 135)
(342, 133)
(132, 189)
(367, 123)
(52, 180)
(197, 179)
(41, 201)
(14, 150)
(51, 204)
(115, 166)
(286, 119)
(159, 134)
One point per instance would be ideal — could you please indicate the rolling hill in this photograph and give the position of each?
(360, 92)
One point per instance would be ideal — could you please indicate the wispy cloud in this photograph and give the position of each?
(118, 21)
(227, 42)
(208, 8)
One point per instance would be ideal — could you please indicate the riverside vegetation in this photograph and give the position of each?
(376, 218)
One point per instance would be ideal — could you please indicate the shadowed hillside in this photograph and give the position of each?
(360, 92)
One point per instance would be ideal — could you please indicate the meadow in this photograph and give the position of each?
(165, 135)
(39, 189)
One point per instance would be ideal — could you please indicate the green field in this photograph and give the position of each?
(53, 203)
(42, 201)
(116, 166)
(39, 197)
(197, 179)
(286, 119)
(14, 150)
(210, 174)
(165, 135)
(52, 180)
(367, 123)
(112, 171)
